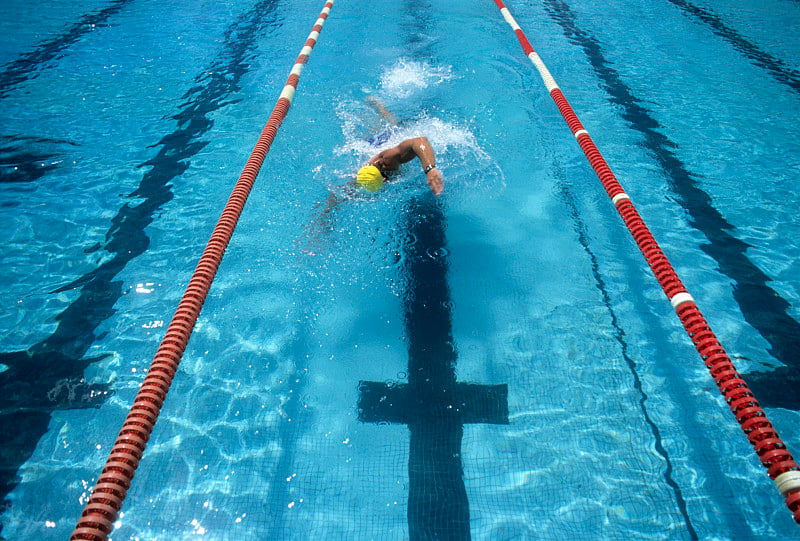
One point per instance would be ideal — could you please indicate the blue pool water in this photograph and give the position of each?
(124, 126)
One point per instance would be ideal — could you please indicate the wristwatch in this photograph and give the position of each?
(429, 167)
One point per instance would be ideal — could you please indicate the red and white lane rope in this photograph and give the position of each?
(100, 513)
(769, 447)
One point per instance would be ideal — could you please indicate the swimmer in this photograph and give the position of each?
(374, 174)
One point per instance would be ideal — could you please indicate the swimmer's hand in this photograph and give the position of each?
(434, 177)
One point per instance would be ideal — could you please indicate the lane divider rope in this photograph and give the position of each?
(100, 513)
(771, 450)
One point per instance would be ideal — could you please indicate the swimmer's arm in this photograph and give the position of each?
(422, 149)
(330, 204)
(347, 192)
(387, 115)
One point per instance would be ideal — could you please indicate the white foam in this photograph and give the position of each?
(407, 77)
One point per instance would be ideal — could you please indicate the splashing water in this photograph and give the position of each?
(459, 154)
(407, 77)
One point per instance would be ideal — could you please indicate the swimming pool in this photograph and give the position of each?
(125, 125)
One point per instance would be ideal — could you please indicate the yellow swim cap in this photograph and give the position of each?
(370, 177)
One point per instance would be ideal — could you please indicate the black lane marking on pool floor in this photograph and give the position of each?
(432, 404)
(49, 375)
(28, 65)
(763, 308)
(774, 66)
(619, 336)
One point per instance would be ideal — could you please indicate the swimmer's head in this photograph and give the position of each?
(370, 178)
